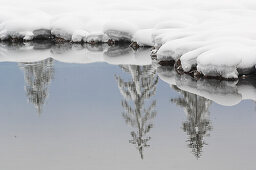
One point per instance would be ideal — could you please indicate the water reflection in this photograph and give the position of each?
(38, 75)
(137, 113)
(198, 123)
(226, 93)
(139, 107)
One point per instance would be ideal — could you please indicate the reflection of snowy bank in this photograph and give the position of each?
(222, 92)
(74, 53)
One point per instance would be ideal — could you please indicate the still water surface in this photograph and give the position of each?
(102, 114)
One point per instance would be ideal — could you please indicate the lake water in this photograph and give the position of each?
(82, 107)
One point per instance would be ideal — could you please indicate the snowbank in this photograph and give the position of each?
(216, 36)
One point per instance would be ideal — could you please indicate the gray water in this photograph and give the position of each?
(63, 116)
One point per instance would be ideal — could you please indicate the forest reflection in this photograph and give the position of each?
(198, 124)
(37, 76)
(141, 87)
(137, 92)
(139, 105)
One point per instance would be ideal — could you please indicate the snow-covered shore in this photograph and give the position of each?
(217, 38)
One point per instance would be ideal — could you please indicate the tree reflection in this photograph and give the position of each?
(38, 76)
(137, 113)
(198, 124)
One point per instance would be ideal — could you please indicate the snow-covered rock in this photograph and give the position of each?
(120, 30)
(144, 37)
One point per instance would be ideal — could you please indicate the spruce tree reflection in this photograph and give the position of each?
(136, 91)
(198, 124)
(38, 76)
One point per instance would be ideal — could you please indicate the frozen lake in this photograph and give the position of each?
(81, 107)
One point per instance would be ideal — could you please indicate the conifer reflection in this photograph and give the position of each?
(137, 112)
(198, 124)
(38, 76)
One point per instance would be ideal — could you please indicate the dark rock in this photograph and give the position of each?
(134, 45)
(178, 64)
(59, 40)
(179, 69)
(111, 42)
(154, 53)
(166, 62)
(197, 74)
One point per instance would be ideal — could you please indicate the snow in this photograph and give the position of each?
(144, 37)
(216, 36)
(78, 35)
(120, 29)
